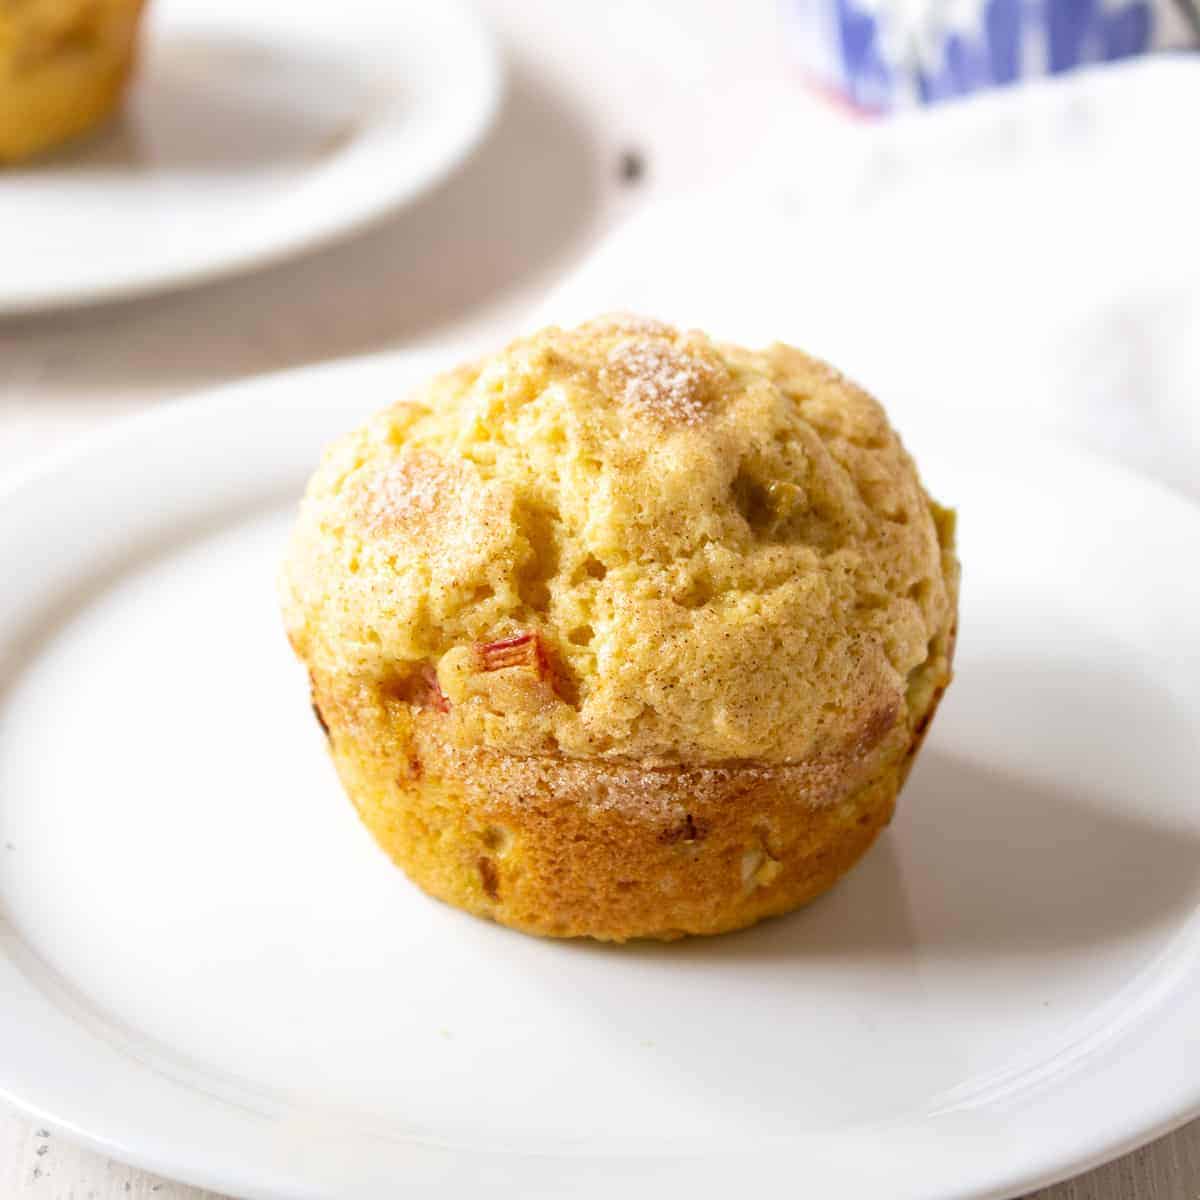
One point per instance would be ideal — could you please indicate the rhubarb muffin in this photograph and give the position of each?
(623, 632)
(64, 65)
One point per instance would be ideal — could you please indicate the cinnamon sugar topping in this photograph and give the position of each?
(631, 323)
(657, 378)
(410, 486)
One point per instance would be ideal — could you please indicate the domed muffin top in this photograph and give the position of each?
(627, 541)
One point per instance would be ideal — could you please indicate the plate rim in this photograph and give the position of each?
(490, 74)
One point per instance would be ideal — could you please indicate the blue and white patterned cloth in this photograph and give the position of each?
(884, 54)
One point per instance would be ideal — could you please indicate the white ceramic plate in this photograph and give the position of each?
(207, 968)
(254, 130)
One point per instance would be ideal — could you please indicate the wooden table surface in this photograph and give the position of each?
(466, 265)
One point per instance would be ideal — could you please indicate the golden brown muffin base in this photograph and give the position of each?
(610, 850)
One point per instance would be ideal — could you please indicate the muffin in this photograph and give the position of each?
(63, 67)
(623, 632)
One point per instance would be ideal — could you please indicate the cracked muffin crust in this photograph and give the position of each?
(623, 632)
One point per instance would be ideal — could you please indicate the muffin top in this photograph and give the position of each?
(627, 541)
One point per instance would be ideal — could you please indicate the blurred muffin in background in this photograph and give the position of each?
(64, 65)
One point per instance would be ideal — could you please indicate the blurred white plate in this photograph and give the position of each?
(253, 131)
(207, 968)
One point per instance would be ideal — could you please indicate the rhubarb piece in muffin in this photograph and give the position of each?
(623, 632)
